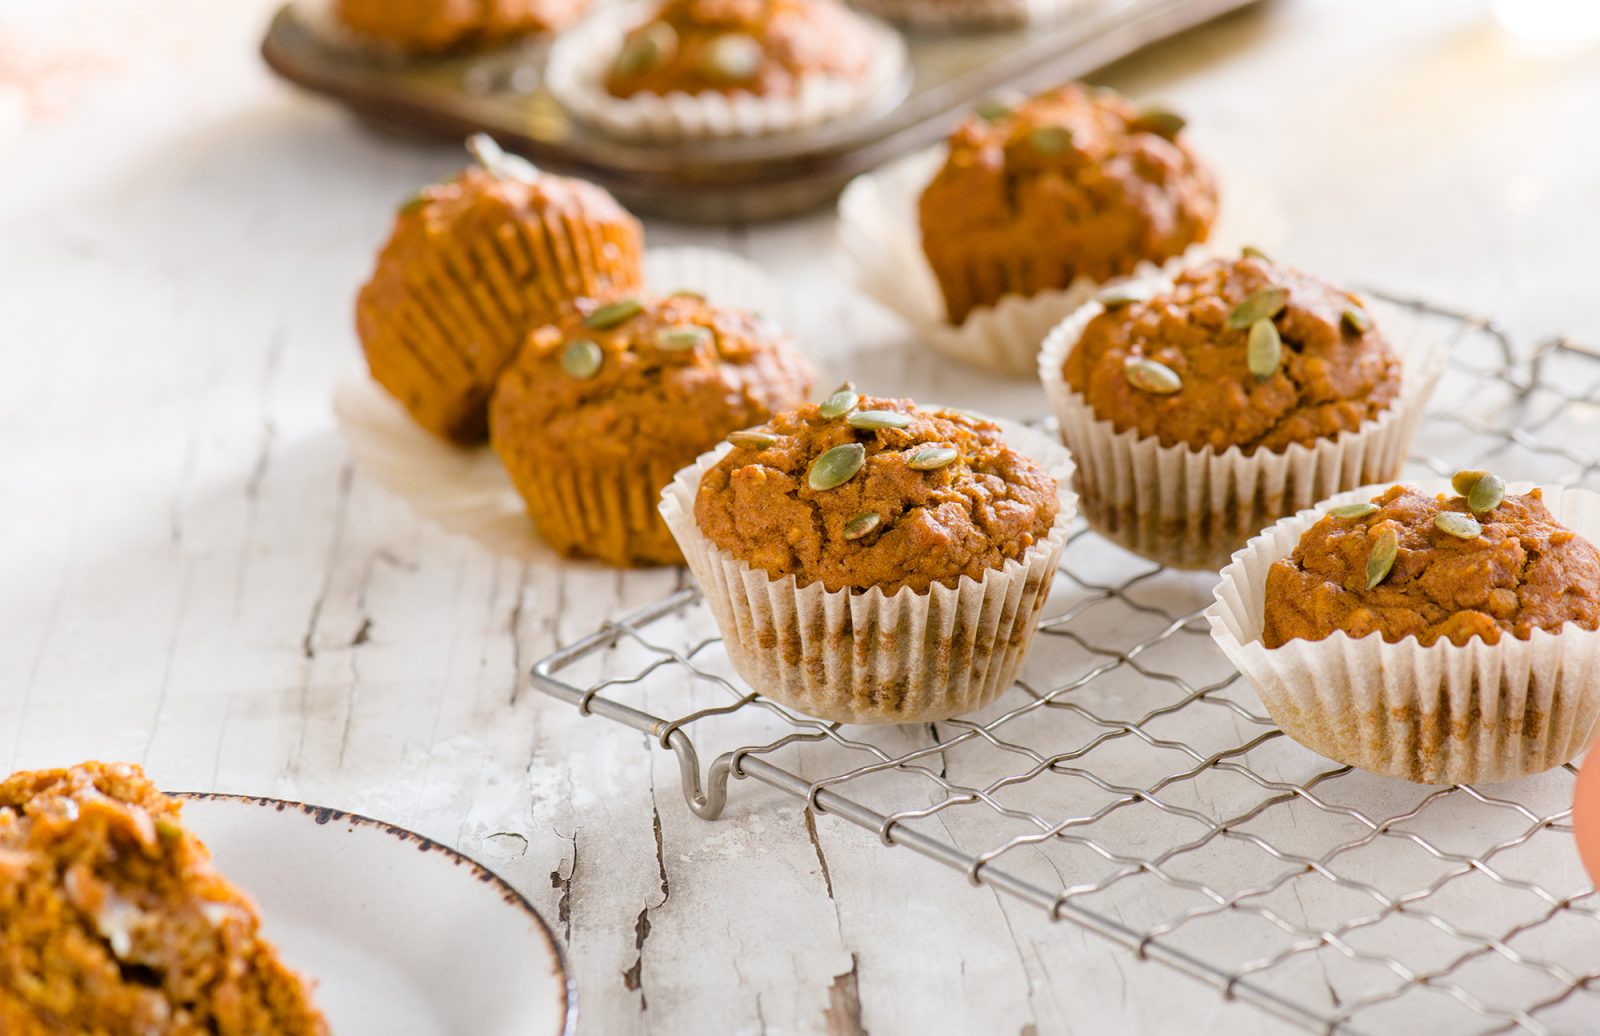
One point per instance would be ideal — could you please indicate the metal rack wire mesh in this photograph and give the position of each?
(1131, 783)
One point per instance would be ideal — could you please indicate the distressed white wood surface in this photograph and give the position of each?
(192, 576)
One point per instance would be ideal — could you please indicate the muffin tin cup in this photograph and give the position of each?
(880, 233)
(580, 57)
(1189, 508)
(968, 14)
(1441, 714)
(873, 657)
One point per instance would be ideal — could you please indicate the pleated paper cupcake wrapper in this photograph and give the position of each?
(1192, 509)
(466, 491)
(1441, 714)
(611, 516)
(581, 56)
(880, 233)
(872, 657)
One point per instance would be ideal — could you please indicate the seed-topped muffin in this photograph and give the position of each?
(763, 47)
(600, 410)
(440, 26)
(472, 266)
(872, 561)
(860, 492)
(113, 919)
(1071, 183)
(1409, 564)
(1246, 352)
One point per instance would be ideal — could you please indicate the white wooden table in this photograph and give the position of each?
(193, 576)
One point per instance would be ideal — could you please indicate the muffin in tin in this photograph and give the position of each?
(433, 27)
(600, 410)
(871, 561)
(471, 267)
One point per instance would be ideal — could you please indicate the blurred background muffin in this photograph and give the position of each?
(426, 27)
(1072, 183)
(471, 267)
(601, 410)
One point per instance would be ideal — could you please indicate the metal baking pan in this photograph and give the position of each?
(751, 179)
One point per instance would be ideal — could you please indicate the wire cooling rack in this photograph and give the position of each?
(1131, 783)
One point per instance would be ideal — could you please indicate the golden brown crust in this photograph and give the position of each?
(441, 26)
(648, 410)
(471, 267)
(1524, 572)
(113, 919)
(934, 526)
(764, 47)
(1329, 380)
(1072, 183)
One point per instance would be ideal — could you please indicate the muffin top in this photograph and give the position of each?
(1450, 567)
(764, 47)
(438, 26)
(1247, 353)
(858, 492)
(1080, 173)
(633, 381)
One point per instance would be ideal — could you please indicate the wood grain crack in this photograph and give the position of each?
(564, 886)
(816, 843)
(842, 1016)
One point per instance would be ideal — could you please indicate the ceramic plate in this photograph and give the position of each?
(402, 934)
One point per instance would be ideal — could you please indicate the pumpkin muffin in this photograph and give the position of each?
(427, 27)
(471, 267)
(872, 561)
(1073, 183)
(600, 410)
(113, 919)
(764, 47)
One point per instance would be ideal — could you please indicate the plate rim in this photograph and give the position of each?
(323, 815)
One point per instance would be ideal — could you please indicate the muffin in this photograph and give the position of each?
(1071, 186)
(471, 268)
(870, 561)
(1204, 408)
(1439, 634)
(600, 410)
(113, 919)
(428, 27)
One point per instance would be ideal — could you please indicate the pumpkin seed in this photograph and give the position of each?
(684, 293)
(1119, 296)
(930, 458)
(1486, 494)
(681, 337)
(1252, 252)
(836, 466)
(872, 420)
(751, 439)
(995, 108)
(733, 56)
(1159, 121)
(861, 524)
(1149, 375)
(1463, 481)
(843, 400)
(1050, 140)
(493, 158)
(646, 49)
(581, 358)
(1264, 351)
(412, 204)
(1353, 510)
(613, 313)
(1263, 304)
(1461, 526)
(1385, 547)
(1355, 320)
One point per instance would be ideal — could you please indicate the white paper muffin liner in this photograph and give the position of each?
(969, 14)
(581, 56)
(872, 657)
(880, 233)
(467, 491)
(1191, 508)
(1441, 714)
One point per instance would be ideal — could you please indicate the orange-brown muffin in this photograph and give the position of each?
(1451, 568)
(601, 410)
(472, 266)
(764, 47)
(858, 493)
(441, 26)
(1247, 353)
(113, 919)
(1072, 183)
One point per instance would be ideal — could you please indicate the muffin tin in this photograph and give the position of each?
(747, 179)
